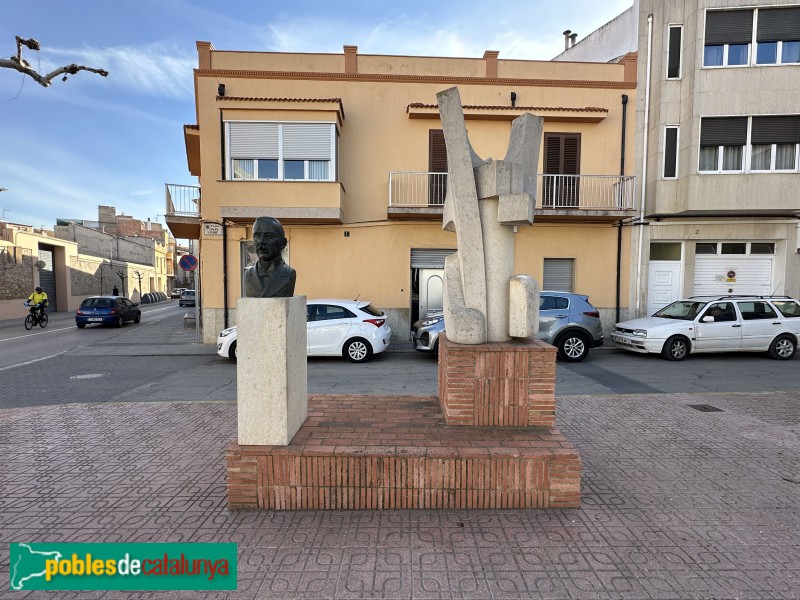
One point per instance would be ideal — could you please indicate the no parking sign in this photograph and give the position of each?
(188, 262)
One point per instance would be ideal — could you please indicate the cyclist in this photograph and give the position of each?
(39, 300)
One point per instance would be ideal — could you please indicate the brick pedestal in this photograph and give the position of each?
(505, 384)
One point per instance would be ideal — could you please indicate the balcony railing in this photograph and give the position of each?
(568, 192)
(182, 200)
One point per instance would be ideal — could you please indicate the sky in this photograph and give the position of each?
(117, 140)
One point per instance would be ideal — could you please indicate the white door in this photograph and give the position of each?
(664, 284)
(431, 291)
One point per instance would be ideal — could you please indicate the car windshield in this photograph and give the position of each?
(96, 303)
(686, 310)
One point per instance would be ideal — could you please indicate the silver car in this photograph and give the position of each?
(567, 321)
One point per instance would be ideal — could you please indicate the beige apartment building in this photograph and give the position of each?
(346, 150)
(717, 146)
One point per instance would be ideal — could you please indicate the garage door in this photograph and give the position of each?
(47, 276)
(718, 275)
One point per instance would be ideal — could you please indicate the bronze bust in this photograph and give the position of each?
(270, 277)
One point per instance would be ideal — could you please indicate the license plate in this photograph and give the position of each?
(93, 319)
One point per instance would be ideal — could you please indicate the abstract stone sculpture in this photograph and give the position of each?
(486, 200)
(270, 277)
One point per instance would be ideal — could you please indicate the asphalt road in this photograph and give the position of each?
(158, 359)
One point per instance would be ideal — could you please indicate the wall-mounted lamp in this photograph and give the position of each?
(221, 89)
(513, 98)
(346, 234)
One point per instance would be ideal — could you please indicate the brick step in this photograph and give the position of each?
(397, 452)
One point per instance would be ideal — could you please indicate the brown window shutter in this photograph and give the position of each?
(562, 157)
(552, 144)
(437, 163)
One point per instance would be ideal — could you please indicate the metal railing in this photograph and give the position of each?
(182, 200)
(579, 192)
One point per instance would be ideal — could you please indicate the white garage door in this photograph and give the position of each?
(751, 275)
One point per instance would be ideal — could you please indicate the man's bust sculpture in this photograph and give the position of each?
(270, 277)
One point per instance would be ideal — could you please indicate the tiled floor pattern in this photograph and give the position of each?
(677, 504)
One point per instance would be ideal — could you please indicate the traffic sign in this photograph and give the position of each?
(188, 262)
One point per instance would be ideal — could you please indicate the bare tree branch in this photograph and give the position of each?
(19, 63)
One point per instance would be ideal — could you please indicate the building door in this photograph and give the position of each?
(437, 167)
(562, 165)
(431, 291)
(47, 276)
(664, 284)
(427, 281)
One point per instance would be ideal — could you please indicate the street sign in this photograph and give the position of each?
(212, 229)
(188, 262)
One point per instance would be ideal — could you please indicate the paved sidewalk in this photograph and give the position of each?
(677, 504)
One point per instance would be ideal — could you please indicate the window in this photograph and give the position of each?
(705, 248)
(674, 58)
(553, 303)
(329, 312)
(722, 142)
(562, 162)
(752, 310)
(670, 152)
(437, 167)
(727, 38)
(774, 143)
(788, 308)
(734, 248)
(762, 248)
(281, 151)
(558, 274)
(778, 36)
(665, 250)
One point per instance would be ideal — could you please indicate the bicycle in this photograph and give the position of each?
(34, 318)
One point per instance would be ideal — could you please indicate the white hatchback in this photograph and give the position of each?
(716, 324)
(349, 328)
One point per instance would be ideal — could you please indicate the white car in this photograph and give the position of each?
(349, 328)
(716, 324)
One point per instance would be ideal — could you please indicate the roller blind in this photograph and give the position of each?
(253, 140)
(729, 27)
(776, 24)
(558, 274)
(776, 130)
(307, 141)
(723, 131)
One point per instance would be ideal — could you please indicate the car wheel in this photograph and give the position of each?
(119, 322)
(782, 347)
(676, 348)
(357, 350)
(573, 347)
(137, 318)
(80, 325)
(233, 353)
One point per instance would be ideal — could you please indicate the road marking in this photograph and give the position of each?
(35, 360)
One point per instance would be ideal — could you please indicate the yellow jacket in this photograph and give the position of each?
(36, 298)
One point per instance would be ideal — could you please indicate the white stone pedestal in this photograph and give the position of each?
(271, 374)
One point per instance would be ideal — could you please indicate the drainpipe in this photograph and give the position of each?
(644, 162)
(225, 271)
(619, 224)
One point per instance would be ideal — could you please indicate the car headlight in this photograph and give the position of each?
(639, 333)
(226, 332)
(432, 321)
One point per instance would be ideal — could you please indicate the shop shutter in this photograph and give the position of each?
(253, 140)
(776, 24)
(783, 129)
(753, 275)
(723, 131)
(429, 258)
(558, 274)
(307, 141)
(729, 27)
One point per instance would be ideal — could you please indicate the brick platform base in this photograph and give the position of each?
(498, 384)
(397, 452)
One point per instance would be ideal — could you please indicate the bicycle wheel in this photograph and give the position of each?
(29, 322)
(43, 320)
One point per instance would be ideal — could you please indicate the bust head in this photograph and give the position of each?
(268, 238)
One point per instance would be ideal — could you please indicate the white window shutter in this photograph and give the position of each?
(307, 141)
(253, 140)
(558, 274)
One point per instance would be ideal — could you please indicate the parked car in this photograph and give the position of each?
(108, 310)
(187, 298)
(176, 293)
(567, 321)
(715, 324)
(350, 328)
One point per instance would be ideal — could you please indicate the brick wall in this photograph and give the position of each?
(16, 278)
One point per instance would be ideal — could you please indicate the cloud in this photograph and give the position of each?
(153, 70)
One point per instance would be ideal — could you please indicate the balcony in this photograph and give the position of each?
(182, 212)
(420, 195)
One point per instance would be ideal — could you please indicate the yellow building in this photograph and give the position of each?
(346, 150)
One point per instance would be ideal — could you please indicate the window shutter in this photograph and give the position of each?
(729, 27)
(429, 258)
(723, 131)
(253, 140)
(552, 156)
(776, 130)
(674, 59)
(572, 154)
(776, 24)
(558, 274)
(437, 151)
(306, 141)
(670, 152)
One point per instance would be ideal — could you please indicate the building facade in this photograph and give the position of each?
(717, 147)
(346, 150)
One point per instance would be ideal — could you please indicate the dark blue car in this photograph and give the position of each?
(109, 310)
